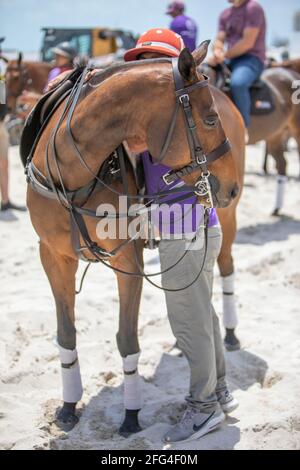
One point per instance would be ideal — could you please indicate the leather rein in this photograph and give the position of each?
(116, 168)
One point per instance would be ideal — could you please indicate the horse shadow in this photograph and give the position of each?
(163, 403)
(262, 233)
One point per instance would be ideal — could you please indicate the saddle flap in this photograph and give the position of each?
(38, 117)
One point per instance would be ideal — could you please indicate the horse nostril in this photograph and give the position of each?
(234, 191)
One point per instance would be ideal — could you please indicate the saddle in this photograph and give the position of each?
(262, 101)
(37, 121)
(41, 113)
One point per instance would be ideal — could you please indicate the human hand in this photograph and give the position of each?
(53, 83)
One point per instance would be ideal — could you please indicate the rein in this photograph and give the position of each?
(46, 186)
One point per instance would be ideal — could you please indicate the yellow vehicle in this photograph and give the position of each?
(89, 42)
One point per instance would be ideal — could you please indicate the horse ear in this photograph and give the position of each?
(200, 53)
(20, 57)
(187, 65)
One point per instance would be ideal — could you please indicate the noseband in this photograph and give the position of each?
(199, 159)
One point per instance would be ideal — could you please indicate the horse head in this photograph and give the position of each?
(208, 132)
(16, 81)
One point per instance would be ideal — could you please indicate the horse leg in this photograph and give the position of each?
(265, 164)
(226, 266)
(130, 289)
(296, 135)
(61, 272)
(276, 147)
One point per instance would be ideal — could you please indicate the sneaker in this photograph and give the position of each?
(227, 401)
(9, 205)
(193, 424)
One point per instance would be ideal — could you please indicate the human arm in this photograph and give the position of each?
(243, 45)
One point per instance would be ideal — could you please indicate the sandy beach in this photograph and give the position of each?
(264, 375)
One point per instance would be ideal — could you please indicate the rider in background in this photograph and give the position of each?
(64, 55)
(242, 28)
(183, 25)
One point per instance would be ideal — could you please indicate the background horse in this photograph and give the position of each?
(273, 127)
(23, 76)
(135, 103)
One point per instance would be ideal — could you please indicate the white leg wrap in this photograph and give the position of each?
(71, 378)
(132, 384)
(281, 182)
(230, 319)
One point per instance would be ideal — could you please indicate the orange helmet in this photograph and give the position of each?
(159, 40)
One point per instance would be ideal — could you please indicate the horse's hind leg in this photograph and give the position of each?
(61, 272)
(226, 266)
(276, 146)
(130, 288)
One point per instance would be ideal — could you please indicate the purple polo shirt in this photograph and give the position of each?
(189, 213)
(234, 20)
(187, 29)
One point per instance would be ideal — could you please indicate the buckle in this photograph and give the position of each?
(184, 99)
(201, 160)
(165, 178)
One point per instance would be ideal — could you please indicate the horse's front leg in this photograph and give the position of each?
(130, 288)
(61, 272)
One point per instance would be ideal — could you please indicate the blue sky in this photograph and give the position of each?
(21, 20)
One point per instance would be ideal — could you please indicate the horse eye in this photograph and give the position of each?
(211, 121)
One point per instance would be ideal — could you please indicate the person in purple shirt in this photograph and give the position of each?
(242, 27)
(191, 314)
(64, 55)
(183, 25)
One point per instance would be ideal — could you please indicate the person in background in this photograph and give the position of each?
(242, 27)
(6, 204)
(64, 55)
(183, 25)
(192, 317)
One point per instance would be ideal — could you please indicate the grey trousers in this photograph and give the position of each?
(192, 316)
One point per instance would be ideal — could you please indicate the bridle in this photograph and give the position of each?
(199, 160)
(46, 186)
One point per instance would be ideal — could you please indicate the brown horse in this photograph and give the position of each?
(273, 127)
(24, 76)
(135, 103)
(293, 64)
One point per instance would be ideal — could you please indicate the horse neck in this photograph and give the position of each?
(120, 108)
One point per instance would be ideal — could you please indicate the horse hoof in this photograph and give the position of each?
(231, 342)
(130, 424)
(66, 417)
(275, 213)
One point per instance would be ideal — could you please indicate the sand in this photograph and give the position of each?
(264, 374)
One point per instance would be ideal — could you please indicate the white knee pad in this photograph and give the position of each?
(71, 378)
(230, 319)
(281, 182)
(132, 384)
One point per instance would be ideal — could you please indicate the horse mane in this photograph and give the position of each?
(120, 66)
